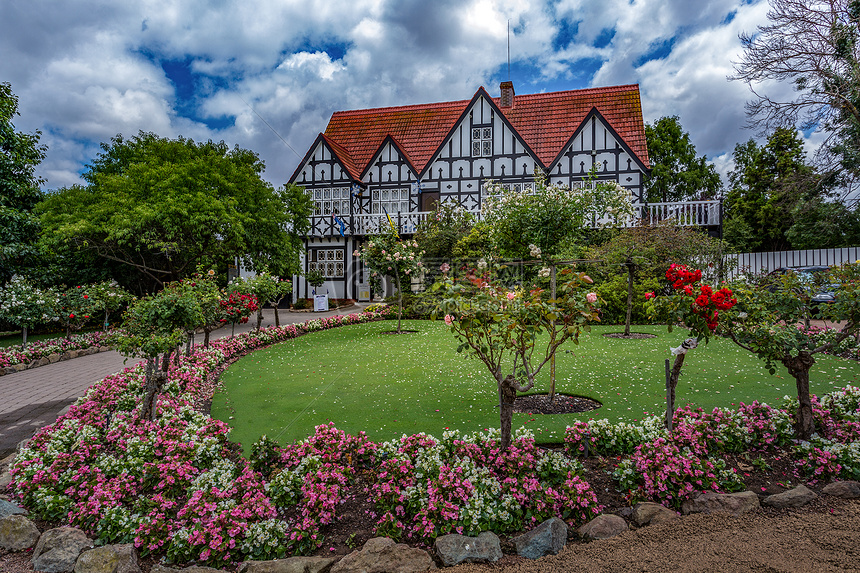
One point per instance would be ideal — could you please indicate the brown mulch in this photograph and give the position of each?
(631, 336)
(562, 404)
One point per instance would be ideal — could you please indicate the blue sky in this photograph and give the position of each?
(86, 70)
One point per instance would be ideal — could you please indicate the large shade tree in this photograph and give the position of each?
(678, 173)
(162, 207)
(20, 154)
(812, 45)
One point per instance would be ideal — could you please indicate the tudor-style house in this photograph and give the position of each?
(400, 161)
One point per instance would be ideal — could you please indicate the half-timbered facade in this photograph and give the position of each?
(400, 161)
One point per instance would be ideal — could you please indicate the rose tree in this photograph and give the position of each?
(507, 329)
(693, 304)
(388, 255)
(768, 321)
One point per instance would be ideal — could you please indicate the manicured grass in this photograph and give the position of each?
(14, 338)
(388, 385)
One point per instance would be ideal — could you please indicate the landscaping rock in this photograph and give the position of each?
(7, 509)
(844, 489)
(43, 361)
(193, 569)
(58, 549)
(603, 527)
(288, 565)
(733, 503)
(53, 357)
(109, 559)
(801, 495)
(647, 513)
(548, 538)
(453, 549)
(382, 555)
(17, 533)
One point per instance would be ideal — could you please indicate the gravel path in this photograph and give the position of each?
(799, 541)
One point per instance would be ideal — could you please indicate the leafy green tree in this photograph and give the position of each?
(677, 172)
(813, 46)
(164, 206)
(822, 224)
(265, 287)
(515, 333)
(550, 216)
(24, 304)
(20, 154)
(389, 255)
(766, 185)
(439, 234)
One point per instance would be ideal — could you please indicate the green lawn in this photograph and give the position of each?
(14, 338)
(388, 385)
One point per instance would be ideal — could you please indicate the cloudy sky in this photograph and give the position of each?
(267, 74)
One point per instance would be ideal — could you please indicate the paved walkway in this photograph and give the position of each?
(35, 398)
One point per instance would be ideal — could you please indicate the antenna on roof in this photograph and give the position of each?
(270, 127)
(509, 49)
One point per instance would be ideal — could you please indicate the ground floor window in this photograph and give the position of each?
(329, 262)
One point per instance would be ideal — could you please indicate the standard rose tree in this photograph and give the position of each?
(769, 322)
(694, 305)
(515, 333)
(388, 255)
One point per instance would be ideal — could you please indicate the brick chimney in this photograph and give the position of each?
(507, 95)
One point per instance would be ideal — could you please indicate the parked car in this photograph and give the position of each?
(820, 289)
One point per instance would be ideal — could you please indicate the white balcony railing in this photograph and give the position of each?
(685, 213)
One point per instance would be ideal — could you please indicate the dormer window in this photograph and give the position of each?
(482, 141)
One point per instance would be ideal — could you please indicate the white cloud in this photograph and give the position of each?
(86, 70)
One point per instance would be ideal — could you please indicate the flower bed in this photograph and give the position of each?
(12, 355)
(177, 487)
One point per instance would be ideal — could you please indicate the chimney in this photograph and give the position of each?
(507, 95)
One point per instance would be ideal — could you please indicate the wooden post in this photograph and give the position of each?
(669, 405)
(552, 358)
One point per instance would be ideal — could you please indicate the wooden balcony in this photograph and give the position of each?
(686, 213)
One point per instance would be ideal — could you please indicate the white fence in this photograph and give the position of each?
(742, 263)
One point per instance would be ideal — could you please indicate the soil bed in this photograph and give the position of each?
(563, 404)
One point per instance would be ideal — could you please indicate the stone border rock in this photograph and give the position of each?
(53, 358)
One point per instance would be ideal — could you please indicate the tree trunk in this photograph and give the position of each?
(673, 383)
(107, 314)
(259, 317)
(150, 389)
(630, 268)
(24, 342)
(799, 366)
(507, 395)
(206, 332)
(68, 331)
(277, 318)
(399, 300)
(233, 330)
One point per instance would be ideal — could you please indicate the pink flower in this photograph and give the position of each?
(445, 267)
(511, 296)
(449, 320)
(591, 297)
(649, 295)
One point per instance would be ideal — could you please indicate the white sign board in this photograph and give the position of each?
(321, 302)
(363, 292)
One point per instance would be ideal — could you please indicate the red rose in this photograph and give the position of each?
(702, 300)
(688, 289)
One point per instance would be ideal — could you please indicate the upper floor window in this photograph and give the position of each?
(331, 200)
(524, 186)
(482, 141)
(390, 200)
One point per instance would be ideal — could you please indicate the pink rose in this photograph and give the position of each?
(591, 297)
(511, 296)
(449, 320)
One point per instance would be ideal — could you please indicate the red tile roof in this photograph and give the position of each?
(545, 122)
